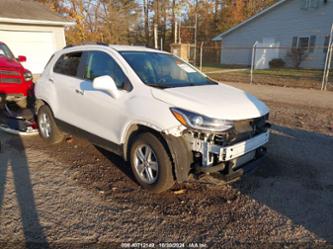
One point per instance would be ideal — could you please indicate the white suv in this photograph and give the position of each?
(155, 110)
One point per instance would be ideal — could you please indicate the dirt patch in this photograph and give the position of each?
(308, 118)
(74, 194)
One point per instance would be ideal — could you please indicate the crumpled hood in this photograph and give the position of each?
(215, 101)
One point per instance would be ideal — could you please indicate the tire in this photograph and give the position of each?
(48, 128)
(162, 179)
(2, 101)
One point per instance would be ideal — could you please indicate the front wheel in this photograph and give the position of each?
(48, 128)
(151, 163)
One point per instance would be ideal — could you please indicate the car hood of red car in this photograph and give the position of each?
(5, 62)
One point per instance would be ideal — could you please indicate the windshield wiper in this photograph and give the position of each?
(156, 85)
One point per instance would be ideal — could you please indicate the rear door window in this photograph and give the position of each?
(68, 64)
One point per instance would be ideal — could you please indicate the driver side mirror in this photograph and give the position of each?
(22, 58)
(106, 83)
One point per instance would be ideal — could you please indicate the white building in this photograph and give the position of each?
(32, 30)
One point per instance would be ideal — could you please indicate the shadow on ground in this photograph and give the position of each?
(295, 179)
(13, 158)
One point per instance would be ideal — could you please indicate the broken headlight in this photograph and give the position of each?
(201, 122)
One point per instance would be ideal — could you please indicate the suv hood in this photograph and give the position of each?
(215, 101)
(9, 63)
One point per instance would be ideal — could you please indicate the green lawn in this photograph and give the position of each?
(281, 72)
(290, 72)
(217, 67)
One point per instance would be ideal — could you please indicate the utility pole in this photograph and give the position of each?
(195, 38)
(155, 36)
(327, 61)
(146, 21)
(201, 54)
(176, 29)
(180, 30)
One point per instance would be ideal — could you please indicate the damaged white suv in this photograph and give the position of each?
(156, 111)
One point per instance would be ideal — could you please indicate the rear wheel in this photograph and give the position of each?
(48, 128)
(151, 164)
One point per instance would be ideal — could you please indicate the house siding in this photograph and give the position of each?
(282, 24)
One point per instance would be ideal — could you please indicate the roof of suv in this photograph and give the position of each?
(132, 48)
(118, 48)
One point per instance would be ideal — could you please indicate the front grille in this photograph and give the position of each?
(10, 80)
(10, 77)
(243, 130)
(6, 72)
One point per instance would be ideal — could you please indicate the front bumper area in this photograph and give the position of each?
(242, 152)
(230, 173)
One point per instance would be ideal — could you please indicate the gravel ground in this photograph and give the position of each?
(73, 195)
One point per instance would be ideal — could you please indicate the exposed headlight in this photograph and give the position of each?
(200, 122)
(27, 76)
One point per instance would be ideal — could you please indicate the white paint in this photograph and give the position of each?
(244, 147)
(106, 83)
(215, 101)
(36, 46)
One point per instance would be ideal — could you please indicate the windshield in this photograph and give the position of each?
(5, 51)
(163, 70)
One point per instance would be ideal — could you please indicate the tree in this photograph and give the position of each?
(146, 20)
(132, 21)
(98, 20)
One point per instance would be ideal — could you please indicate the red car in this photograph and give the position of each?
(15, 81)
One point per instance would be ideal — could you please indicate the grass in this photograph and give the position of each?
(291, 72)
(217, 67)
(290, 77)
(281, 72)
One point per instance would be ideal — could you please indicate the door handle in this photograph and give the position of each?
(78, 91)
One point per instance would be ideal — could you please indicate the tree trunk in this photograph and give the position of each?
(146, 20)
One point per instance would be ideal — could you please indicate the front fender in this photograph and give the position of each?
(181, 155)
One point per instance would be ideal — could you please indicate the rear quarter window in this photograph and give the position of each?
(68, 64)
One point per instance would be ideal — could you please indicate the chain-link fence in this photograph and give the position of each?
(303, 66)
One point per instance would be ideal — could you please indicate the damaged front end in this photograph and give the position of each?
(227, 153)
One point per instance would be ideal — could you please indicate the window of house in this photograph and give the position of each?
(303, 43)
(314, 4)
(326, 43)
(312, 44)
(68, 64)
(308, 4)
(295, 40)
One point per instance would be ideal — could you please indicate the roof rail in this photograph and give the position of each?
(87, 43)
(68, 46)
